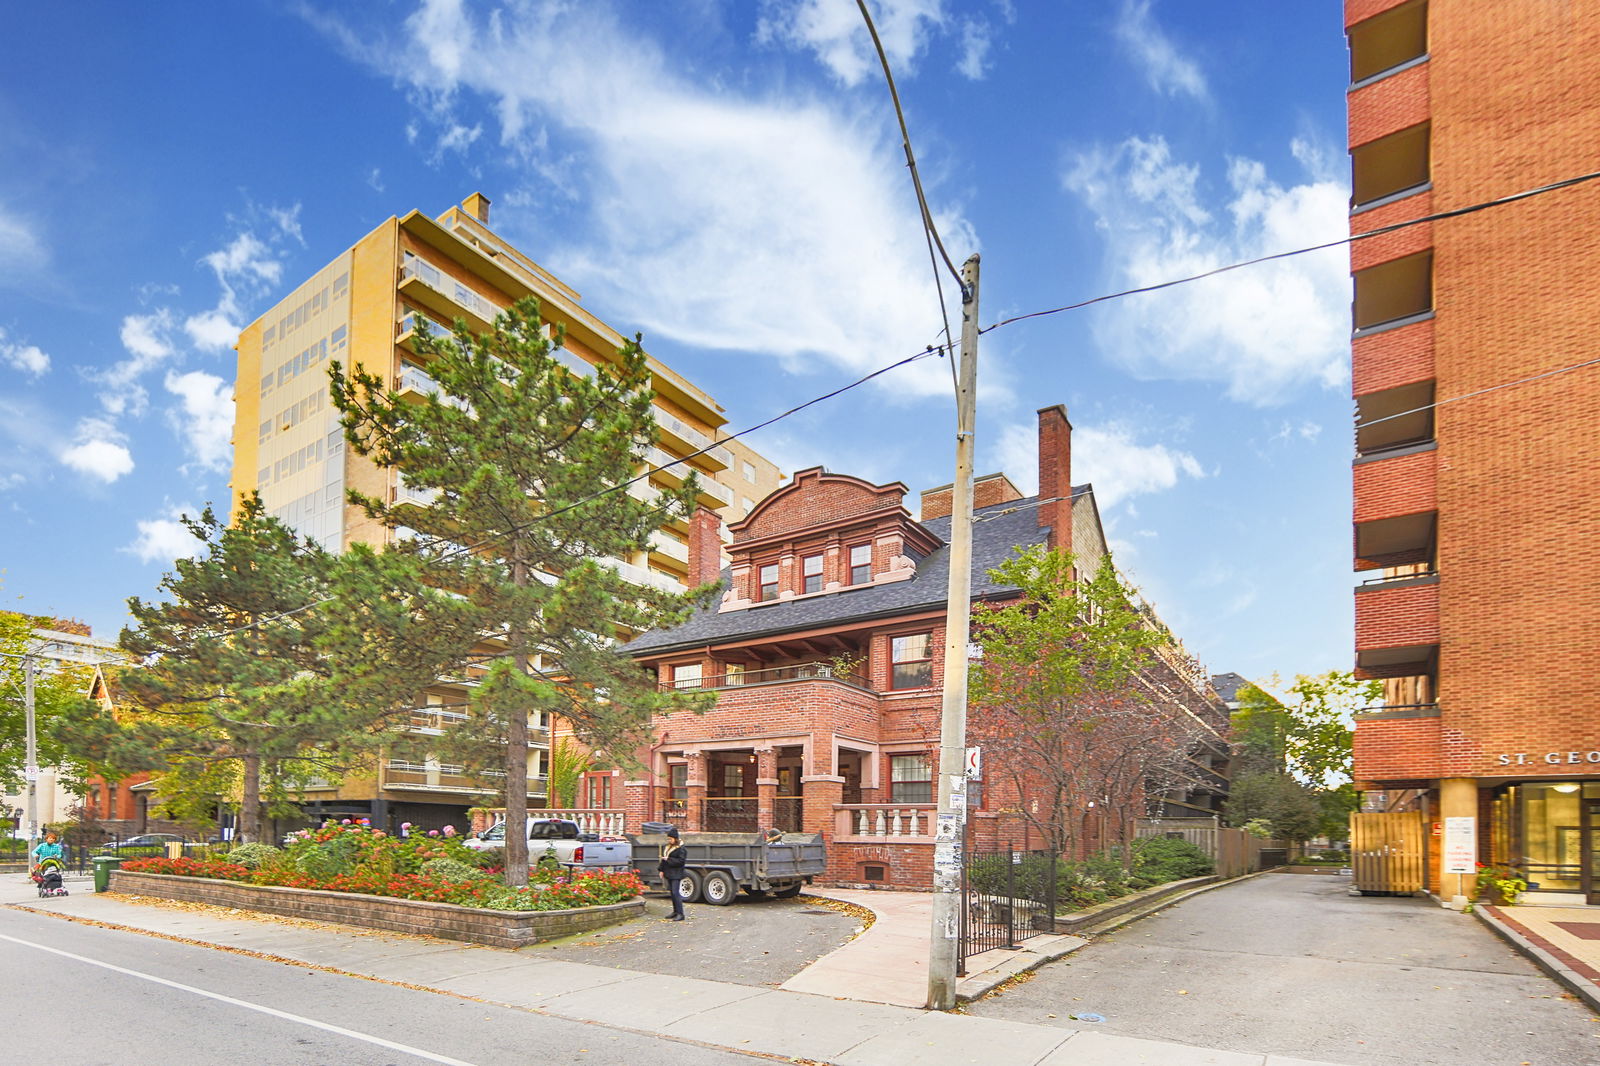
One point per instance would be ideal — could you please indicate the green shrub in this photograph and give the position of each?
(1162, 859)
(253, 856)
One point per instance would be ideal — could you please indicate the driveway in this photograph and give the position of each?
(1293, 965)
(749, 942)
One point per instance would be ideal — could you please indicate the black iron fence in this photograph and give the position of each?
(1006, 896)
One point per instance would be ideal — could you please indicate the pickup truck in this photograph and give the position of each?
(560, 837)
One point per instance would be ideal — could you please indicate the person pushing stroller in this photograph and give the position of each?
(48, 866)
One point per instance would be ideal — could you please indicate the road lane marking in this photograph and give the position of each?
(379, 1041)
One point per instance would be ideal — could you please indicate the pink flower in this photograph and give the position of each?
(433, 832)
(404, 826)
(345, 822)
(449, 830)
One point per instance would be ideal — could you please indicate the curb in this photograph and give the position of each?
(1553, 965)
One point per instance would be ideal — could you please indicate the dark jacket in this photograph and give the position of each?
(671, 865)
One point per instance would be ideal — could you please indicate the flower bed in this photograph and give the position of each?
(495, 928)
(353, 860)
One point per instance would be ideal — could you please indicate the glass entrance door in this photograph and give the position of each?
(1591, 848)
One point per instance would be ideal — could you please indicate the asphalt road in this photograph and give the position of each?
(1293, 965)
(97, 997)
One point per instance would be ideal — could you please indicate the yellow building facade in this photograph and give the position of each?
(365, 308)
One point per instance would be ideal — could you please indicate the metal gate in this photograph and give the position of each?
(1388, 852)
(1006, 896)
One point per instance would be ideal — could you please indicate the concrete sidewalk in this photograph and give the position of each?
(816, 1025)
(1564, 942)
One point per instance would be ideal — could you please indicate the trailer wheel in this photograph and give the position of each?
(788, 891)
(718, 888)
(689, 887)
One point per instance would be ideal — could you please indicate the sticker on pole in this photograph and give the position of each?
(974, 762)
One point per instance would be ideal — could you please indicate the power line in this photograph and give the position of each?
(1480, 392)
(1368, 234)
(911, 160)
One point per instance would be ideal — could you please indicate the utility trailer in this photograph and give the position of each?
(719, 864)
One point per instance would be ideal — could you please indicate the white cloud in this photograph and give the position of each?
(1264, 331)
(206, 421)
(375, 179)
(733, 223)
(165, 539)
(99, 452)
(975, 44)
(148, 341)
(23, 254)
(835, 31)
(245, 264)
(1167, 71)
(1109, 457)
(28, 358)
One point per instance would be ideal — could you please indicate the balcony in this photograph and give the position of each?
(1397, 626)
(401, 776)
(641, 575)
(1393, 294)
(681, 434)
(411, 323)
(414, 384)
(446, 297)
(883, 823)
(669, 547)
(735, 676)
(433, 721)
(1390, 168)
(409, 495)
(1388, 42)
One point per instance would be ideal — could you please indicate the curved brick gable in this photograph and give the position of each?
(816, 497)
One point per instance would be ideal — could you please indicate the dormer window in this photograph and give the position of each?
(860, 564)
(769, 582)
(812, 572)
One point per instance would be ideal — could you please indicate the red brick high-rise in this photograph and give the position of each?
(1476, 514)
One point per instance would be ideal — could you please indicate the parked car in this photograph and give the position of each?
(563, 839)
(145, 844)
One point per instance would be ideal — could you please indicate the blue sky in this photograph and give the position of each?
(725, 176)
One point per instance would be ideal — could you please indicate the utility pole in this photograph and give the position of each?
(31, 767)
(945, 950)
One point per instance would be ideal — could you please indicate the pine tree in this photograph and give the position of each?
(525, 463)
(259, 668)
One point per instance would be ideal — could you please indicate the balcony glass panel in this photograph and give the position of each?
(1390, 164)
(1394, 290)
(1394, 418)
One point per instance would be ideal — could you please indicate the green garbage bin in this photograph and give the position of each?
(103, 865)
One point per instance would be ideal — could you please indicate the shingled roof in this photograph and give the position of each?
(996, 535)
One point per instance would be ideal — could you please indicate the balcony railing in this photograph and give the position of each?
(459, 293)
(417, 777)
(433, 721)
(606, 822)
(885, 820)
(729, 814)
(404, 493)
(671, 547)
(641, 575)
(771, 675)
(697, 441)
(1398, 710)
(788, 813)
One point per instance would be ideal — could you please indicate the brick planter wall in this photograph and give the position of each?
(501, 929)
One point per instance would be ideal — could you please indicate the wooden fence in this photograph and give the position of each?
(1234, 851)
(1388, 852)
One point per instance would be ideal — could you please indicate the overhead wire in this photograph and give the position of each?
(1378, 231)
(930, 232)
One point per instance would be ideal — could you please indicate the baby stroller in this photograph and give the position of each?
(47, 875)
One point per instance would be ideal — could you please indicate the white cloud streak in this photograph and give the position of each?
(30, 359)
(779, 226)
(205, 416)
(23, 254)
(165, 539)
(1264, 331)
(1110, 457)
(1153, 52)
(99, 452)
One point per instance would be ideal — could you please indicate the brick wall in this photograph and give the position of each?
(1397, 617)
(1512, 91)
(1389, 488)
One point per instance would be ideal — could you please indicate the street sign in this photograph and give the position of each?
(975, 762)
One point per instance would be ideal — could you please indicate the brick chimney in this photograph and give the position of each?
(1055, 475)
(705, 547)
(936, 502)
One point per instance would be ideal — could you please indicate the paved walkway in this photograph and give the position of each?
(822, 1026)
(1562, 941)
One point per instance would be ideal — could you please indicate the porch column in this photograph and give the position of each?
(1458, 798)
(821, 793)
(766, 787)
(694, 817)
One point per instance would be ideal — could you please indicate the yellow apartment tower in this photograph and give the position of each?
(365, 308)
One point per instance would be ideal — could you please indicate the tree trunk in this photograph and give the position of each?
(517, 756)
(250, 801)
